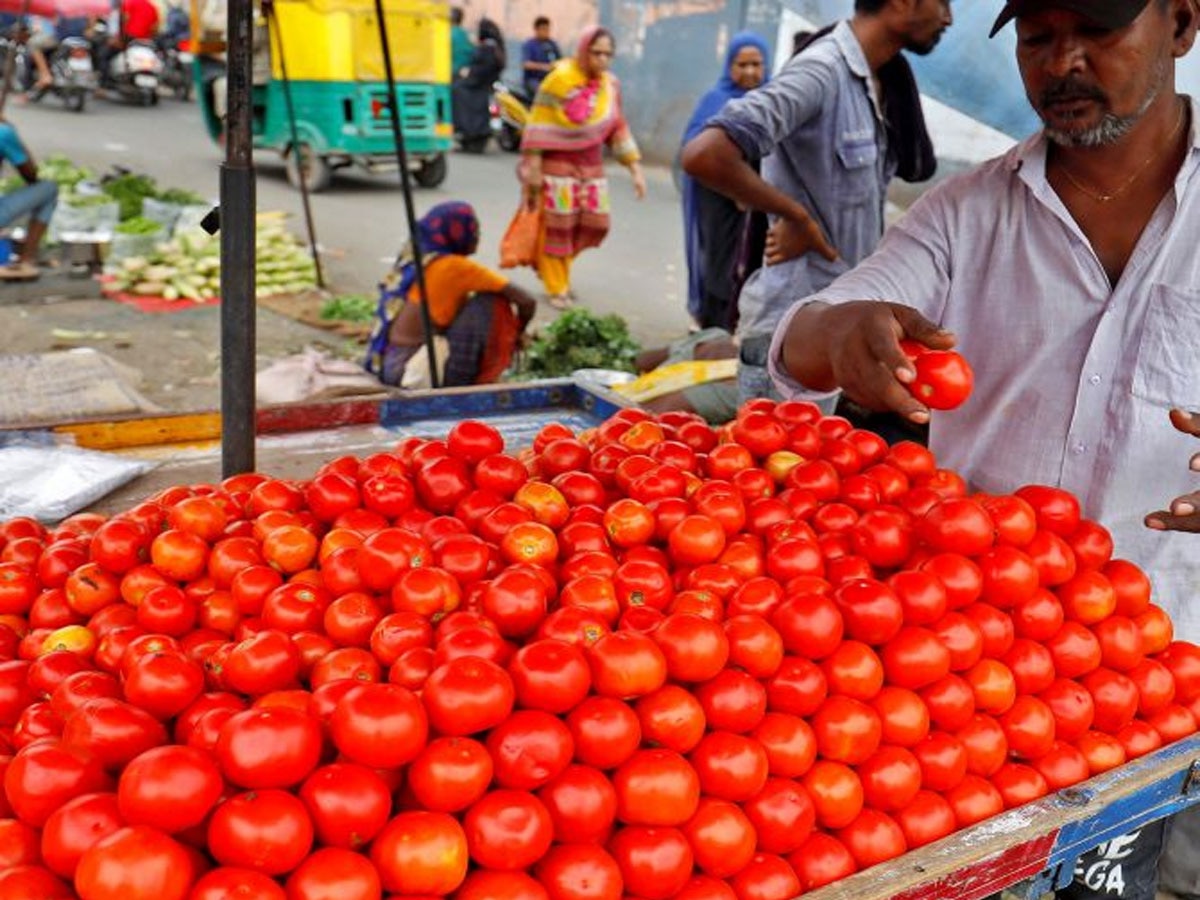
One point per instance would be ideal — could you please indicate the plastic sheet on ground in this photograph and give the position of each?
(51, 483)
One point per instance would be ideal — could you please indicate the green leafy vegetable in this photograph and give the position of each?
(181, 197)
(139, 225)
(349, 308)
(129, 191)
(580, 339)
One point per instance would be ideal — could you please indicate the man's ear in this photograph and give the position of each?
(1185, 15)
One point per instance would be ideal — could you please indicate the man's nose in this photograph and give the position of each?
(1065, 56)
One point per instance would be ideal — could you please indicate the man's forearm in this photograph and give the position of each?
(804, 352)
(713, 159)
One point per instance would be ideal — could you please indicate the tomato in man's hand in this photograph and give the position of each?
(944, 378)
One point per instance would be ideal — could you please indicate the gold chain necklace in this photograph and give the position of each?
(1107, 198)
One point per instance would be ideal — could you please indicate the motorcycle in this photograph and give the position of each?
(134, 71)
(73, 74)
(177, 74)
(510, 107)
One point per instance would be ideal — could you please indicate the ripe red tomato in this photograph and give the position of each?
(582, 804)
(656, 787)
(45, 774)
(721, 836)
(915, 658)
(606, 732)
(926, 818)
(137, 862)
(671, 717)
(766, 877)
(1019, 784)
(943, 377)
(268, 748)
(654, 862)
(836, 792)
(1029, 726)
(943, 760)
(974, 799)
(821, 860)
(957, 525)
(348, 804)
(421, 853)
(1072, 707)
(467, 695)
(1115, 697)
(626, 664)
(508, 830)
(170, 788)
(873, 837)
(579, 872)
(379, 725)
(1062, 766)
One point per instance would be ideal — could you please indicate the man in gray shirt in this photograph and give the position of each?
(823, 134)
(1066, 272)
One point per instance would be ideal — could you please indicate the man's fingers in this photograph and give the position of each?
(1162, 520)
(817, 242)
(920, 329)
(1187, 422)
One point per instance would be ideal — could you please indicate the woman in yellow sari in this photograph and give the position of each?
(576, 113)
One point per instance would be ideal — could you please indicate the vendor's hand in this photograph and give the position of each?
(1184, 512)
(788, 239)
(639, 181)
(863, 338)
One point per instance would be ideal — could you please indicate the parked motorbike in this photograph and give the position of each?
(510, 113)
(133, 72)
(73, 74)
(177, 68)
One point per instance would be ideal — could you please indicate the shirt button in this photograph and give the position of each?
(1095, 379)
(1078, 449)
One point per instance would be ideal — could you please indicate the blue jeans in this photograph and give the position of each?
(36, 200)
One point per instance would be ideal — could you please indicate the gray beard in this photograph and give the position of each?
(1111, 128)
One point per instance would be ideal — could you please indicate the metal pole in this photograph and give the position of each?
(273, 28)
(237, 249)
(435, 378)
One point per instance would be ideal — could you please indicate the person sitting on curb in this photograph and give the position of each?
(479, 316)
(36, 199)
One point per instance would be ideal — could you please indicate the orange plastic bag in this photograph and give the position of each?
(519, 245)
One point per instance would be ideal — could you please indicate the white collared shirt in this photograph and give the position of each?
(1073, 376)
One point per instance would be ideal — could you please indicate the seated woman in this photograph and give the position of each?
(479, 313)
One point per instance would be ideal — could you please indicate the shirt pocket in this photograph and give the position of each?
(1168, 368)
(859, 157)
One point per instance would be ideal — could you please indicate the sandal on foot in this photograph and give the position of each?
(561, 301)
(19, 271)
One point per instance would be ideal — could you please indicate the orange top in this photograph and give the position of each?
(450, 280)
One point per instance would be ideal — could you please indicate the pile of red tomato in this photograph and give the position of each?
(654, 660)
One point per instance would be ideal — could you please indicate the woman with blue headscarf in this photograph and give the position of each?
(479, 312)
(712, 222)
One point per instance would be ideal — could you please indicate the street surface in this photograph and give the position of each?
(639, 273)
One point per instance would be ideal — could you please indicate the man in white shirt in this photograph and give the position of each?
(1066, 271)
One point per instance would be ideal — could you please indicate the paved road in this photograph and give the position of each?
(360, 220)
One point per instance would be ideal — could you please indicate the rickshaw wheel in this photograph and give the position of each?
(432, 172)
(317, 171)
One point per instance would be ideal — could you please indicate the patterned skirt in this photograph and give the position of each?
(576, 202)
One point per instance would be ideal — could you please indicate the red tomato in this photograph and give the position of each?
(915, 658)
(721, 836)
(1062, 766)
(943, 760)
(348, 804)
(926, 818)
(421, 853)
(904, 717)
(626, 664)
(671, 717)
(606, 732)
(1029, 726)
(1032, 666)
(582, 804)
(170, 788)
(1102, 751)
(873, 837)
(821, 860)
(44, 775)
(656, 787)
(891, 778)
(268, 831)
(1115, 697)
(766, 877)
(467, 695)
(974, 799)
(508, 830)
(268, 748)
(782, 814)
(579, 872)
(379, 725)
(1056, 509)
(1072, 707)
(943, 379)
(855, 670)
(836, 792)
(136, 862)
(957, 525)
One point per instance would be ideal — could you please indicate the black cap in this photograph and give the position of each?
(1111, 14)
